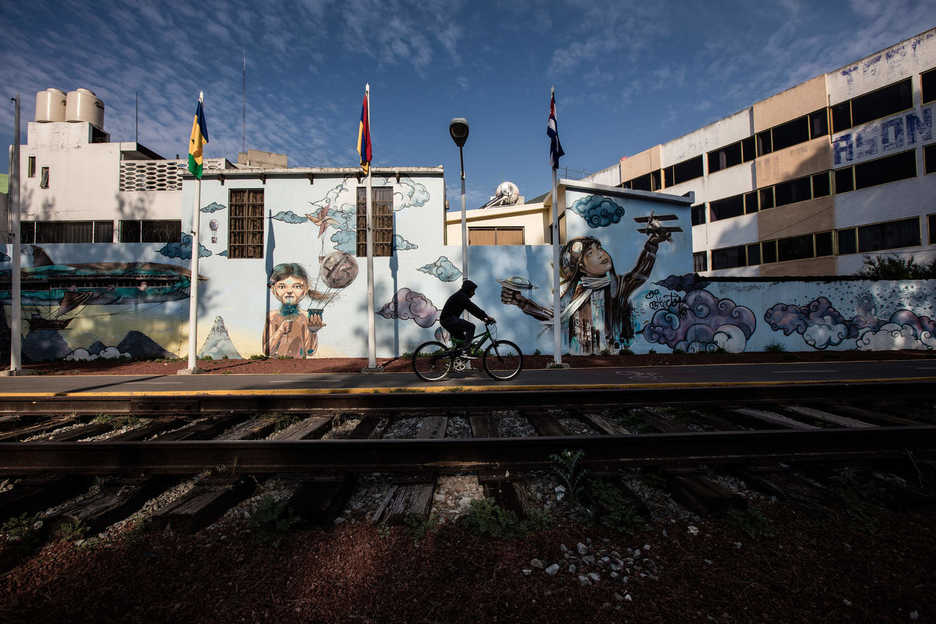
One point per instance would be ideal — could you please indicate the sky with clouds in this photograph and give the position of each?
(628, 74)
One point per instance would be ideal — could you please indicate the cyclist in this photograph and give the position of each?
(462, 331)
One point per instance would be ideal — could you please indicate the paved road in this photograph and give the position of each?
(799, 373)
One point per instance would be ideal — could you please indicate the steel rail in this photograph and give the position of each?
(459, 454)
(454, 398)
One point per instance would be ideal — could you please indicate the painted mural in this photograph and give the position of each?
(58, 296)
(595, 301)
(626, 283)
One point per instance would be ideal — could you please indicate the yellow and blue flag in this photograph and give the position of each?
(364, 139)
(197, 141)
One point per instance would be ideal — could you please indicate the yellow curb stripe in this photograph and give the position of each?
(450, 389)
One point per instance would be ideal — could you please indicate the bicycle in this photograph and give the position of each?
(502, 359)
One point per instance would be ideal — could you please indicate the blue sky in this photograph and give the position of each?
(628, 74)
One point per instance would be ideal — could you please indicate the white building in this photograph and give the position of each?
(812, 180)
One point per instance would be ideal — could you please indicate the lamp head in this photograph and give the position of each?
(458, 129)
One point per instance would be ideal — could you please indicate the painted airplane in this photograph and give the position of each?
(45, 283)
(654, 225)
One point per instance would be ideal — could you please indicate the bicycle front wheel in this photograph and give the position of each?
(503, 360)
(432, 361)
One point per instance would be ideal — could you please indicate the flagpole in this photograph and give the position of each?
(16, 296)
(371, 328)
(193, 280)
(557, 306)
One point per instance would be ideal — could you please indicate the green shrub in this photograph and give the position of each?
(894, 267)
(614, 508)
(271, 519)
(774, 347)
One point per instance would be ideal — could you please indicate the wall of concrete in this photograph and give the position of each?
(533, 218)
(882, 68)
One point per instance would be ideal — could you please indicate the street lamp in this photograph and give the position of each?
(458, 129)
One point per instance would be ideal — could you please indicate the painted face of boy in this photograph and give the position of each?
(290, 290)
(596, 261)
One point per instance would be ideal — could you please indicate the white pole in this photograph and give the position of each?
(371, 328)
(16, 301)
(557, 310)
(193, 281)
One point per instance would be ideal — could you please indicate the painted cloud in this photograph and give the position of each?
(184, 249)
(700, 322)
(288, 216)
(408, 304)
(442, 269)
(598, 211)
(401, 244)
(904, 330)
(213, 207)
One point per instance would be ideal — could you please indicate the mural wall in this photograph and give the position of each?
(625, 285)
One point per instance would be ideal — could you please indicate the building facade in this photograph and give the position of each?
(815, 179)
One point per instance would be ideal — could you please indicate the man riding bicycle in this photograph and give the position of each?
(459, 328)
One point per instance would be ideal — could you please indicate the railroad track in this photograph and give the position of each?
(94, 467)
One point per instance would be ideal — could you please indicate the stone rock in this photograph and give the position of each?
(618, 596)
(551, 570)
(572, 568)
(536, 563)
(594, 576)
(582, 548)
(584, 580)
(589, 559)
(527, 571)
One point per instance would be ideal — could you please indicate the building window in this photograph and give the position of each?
(750, 202)
(764, 144)
(726, 208)
(64, 232)
(928, 80)
(792, 191)
(27, 232)
(103, 231)
(753, 254)
(728, 258)
(884, 170)
(699, 262)
(642, 183)
(929, 158)
(684, 171)
(820, 184)
(847, 241)
(795, 247)
(890, 235)
(791, 133)
(769, 250)
(167, 231)
(382, 206)
(882, 102)
(841, 116)
(31, 167)
(725, 157)
(747, 149)
(44, 178)
(129, 231)
(245, 223)
(503, 235)
(818, 124)
(823, 244)
(698, 214)
(932, 228)
(766, 198)
(844, 180)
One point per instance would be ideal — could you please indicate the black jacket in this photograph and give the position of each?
(458, 303)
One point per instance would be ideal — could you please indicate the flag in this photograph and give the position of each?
(552, 131)
(197, 141)
(363, 138)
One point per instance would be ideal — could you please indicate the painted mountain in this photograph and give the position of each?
(218, 344)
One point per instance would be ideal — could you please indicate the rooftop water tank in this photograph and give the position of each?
(83, 105)
(50, 105)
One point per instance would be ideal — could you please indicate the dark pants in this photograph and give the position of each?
(459, 328)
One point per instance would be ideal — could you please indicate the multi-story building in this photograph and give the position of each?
(77, 186)
(812, 180)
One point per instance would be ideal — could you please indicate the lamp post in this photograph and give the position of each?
(458, 129)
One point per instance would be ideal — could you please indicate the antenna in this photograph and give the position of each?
(244, 105)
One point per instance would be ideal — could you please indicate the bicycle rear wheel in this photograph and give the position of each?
(503, 360)
(432, 361)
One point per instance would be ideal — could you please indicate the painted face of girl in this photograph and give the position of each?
(290, 290)
(596, 261)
